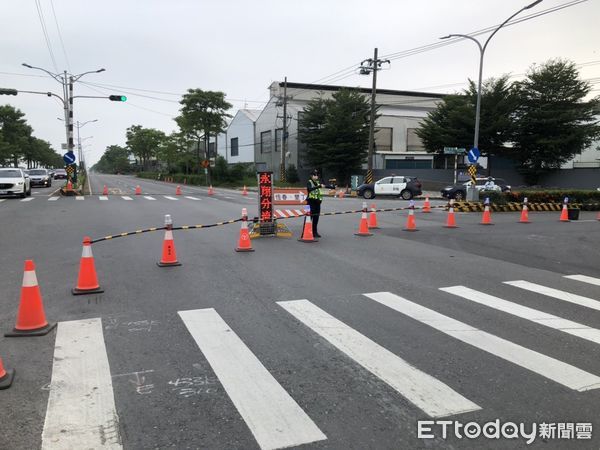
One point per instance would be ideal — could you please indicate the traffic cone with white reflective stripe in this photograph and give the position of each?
(245, 191)
(138, 190)
(244, 243)
(411, 224)
(487, 216)
(451, 221)
(426, 206)
(373, 218)
(307, 232)
(169, 255)
(210, 190)
(87, 281)
(564, 215)
(524, 212)
(363, 228)
(6, 376)
(105, 190)
(31, 318)
(178, 190)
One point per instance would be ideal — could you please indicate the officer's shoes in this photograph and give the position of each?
(317, 235)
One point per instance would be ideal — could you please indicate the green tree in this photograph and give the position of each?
(114, 160)
(552, 122)
(452, 122)
(15, 135)
(144, 143)
(336, 132)
(202, 115)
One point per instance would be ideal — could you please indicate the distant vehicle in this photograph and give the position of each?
(40, 177)
(51, 172)
(404, 187)
(14, 182)
(459, 191)
(60, 174)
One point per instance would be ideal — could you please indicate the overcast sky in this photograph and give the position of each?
(240, 47)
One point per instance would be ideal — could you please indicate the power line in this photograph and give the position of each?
(45, 31)
(60, 35)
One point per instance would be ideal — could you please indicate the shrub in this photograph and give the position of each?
(555, 196)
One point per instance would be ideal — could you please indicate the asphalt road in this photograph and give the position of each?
(283, 347)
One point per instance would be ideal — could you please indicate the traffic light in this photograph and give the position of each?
(8, 91)
(117, 98)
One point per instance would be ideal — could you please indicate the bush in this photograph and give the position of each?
(555, 196)
(498, 198)
(292, 174)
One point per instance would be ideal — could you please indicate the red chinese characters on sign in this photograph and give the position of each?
(265, 198)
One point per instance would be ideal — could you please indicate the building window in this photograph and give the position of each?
(265, 142)
(234, 147)
(212, 150)
(278, 135)
(383, 139)
(408, 164)
(413, 142)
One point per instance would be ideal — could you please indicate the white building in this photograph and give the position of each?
(236, 145)
(587, 159)
(397, 145)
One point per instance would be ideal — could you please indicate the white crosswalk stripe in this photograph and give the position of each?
(432, 396)
(147, 197)
(103, 197)
(81, 409)
(79, 197)
(584, 279)
(274, 418)
(542, 318)
(170, 198)
(556, 293)
(28, 199)
(126, 197)
(53, 199)
(192, 198)
(548, 367)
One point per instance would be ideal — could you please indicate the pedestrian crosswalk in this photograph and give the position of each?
(273, 414)
(112, 198)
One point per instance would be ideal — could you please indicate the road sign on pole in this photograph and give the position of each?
(473, 155)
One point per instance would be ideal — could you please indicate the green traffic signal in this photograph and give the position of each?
(117, 98)
(8, 91)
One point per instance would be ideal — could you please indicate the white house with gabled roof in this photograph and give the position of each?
(236, 144)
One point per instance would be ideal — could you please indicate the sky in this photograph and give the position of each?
(161, 48)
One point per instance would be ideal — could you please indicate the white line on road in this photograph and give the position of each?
(53, 199)
(2, 199)
(170, 198)
(230, 198)
(28, 199)
(539, 317)
(126, 197)
(79, 197)
(81, 406)
(555, 293)
(584, 279)
(427, 393)
(103, 197)
(147, 197)
(192, 198)
(274, 418)
(548, 367)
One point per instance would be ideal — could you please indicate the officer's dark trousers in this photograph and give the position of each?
(315, 211)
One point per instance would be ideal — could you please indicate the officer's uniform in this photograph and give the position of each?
(315, 197)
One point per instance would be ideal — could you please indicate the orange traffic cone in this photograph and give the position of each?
(6, 376)
(426, 206)
(524, 212)
(31, 318)
(210, 190)
(411, 224)
(487, 215)
(178, 190)
(373, 218)
(105, 190)
(341, 193)
(69, 186)
(87, 281)
(169, 255)
(138, 190)
(564, 214)
(244, 243)
(450, 222)
(307, 232)
(245, 191)
(363, 228)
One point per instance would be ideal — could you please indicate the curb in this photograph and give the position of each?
(517, 207)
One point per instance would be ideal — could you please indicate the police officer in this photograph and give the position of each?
(315, 197)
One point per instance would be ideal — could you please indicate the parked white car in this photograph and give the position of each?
(14, 181)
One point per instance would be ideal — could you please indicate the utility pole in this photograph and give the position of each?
(284, 139)
(371, 67)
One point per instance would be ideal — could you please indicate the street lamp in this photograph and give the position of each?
(481, 53)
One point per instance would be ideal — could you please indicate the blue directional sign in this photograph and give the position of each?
(69, 158)
(473, 155)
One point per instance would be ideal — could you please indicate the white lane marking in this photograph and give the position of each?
(230, 198)
(584, 279)
(27, 199)
(147, 197)
(126, 197)
(103, 197)
(192, 198)
(548, 367)
(81, 409)
(53, 199)
(79, 197)
(542, 318)
(274, 418)
(170, 198)
(2, 199)
(427, 393)
(555, 293)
